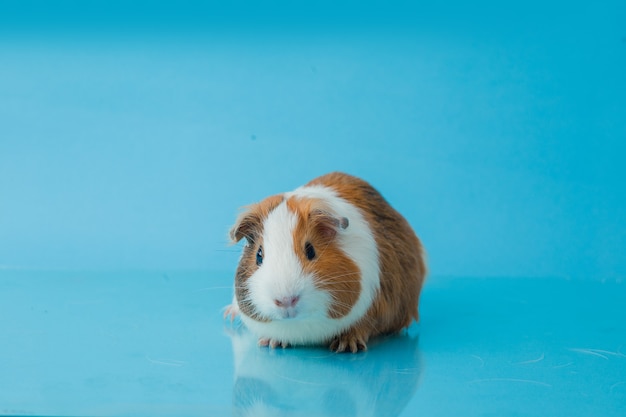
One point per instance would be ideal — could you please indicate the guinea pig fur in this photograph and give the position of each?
(328, 263)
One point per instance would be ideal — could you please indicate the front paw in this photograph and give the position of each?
(272, 343)
(350, 341)
(231, 311)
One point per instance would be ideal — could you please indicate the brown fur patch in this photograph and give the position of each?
(401, 258)
(335, 273)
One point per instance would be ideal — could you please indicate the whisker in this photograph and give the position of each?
(213, 288)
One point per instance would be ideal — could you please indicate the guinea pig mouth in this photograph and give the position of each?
(288, 313)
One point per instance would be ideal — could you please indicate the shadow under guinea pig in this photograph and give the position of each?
(316, 382)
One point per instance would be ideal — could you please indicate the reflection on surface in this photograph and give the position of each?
(316, 382)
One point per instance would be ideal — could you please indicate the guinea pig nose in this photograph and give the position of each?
(286, 302)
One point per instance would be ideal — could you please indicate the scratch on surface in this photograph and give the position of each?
(167, 362)
(564, 365)
(407, 371)
(617, 384)
(525, 381)
(539, 359)
(608, 352)
(482, 362)
(597, 352)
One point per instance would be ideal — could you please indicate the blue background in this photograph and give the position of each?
(132, 132)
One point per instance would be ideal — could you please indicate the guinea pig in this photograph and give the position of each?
(329, 263)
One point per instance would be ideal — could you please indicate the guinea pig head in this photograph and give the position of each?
(294, 266)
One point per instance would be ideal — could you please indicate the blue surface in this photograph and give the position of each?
(131, 132)
(156, 344)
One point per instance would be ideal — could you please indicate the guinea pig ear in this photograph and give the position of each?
(327, 224)
(246, 225)
(249, 223)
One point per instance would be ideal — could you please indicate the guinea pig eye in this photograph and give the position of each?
(309, 250)
(259, 256)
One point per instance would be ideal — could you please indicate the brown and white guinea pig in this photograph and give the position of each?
(328, 263)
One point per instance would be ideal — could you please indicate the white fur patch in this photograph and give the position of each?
(281, 275)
